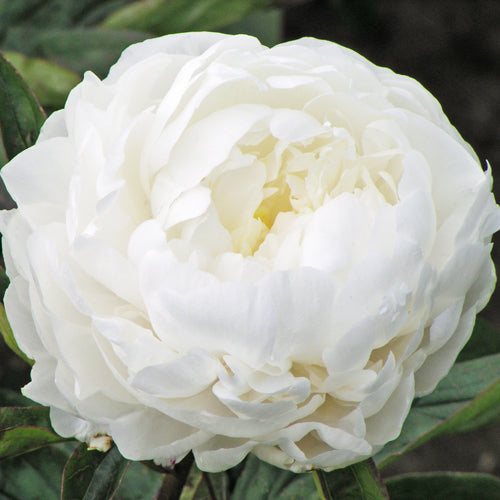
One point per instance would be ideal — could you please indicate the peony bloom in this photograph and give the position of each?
(228, 249)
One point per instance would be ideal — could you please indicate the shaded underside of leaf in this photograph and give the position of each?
(21, 116)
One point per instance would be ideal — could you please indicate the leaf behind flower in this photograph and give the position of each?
(8, 336)
(21, 116)
(261, 481)
(24, 429)
(92, 474)
(75, 49)
(467, 398)
(159, 17)
(50, 82)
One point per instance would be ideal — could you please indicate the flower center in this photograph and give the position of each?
(281, 178)
(277, 202)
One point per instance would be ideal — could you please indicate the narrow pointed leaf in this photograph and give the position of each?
(8, 336)
(4, 283)
(160, 17)
(50, 82)
(467, 398)
(42, 13)
(21, 116)
(444, 486)
(92, 474)
(24, 429)
(76, 49)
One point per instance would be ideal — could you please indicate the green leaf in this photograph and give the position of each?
(3, 161)
(261, 481)
(8, 336)
(368, 480)
(50, 82)
(4, 283)
(33, 476)
(55, 13)
(139, 482)
(79, 471)
(485, 340)
(361, 480)
(444, 486)
(92, 474)
(199, 485)
(20, 113)
(160, 16)
(24, 429)
(467, 398)
(75, 49)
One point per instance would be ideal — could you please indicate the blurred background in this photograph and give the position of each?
(451, 46)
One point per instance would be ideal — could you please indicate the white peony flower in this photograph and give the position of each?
(227, 248)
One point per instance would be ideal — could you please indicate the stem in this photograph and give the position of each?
(369, 480)
(321, 484)
(173, 482)
(210, 486)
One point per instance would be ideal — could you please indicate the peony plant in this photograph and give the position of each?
(226, 249)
